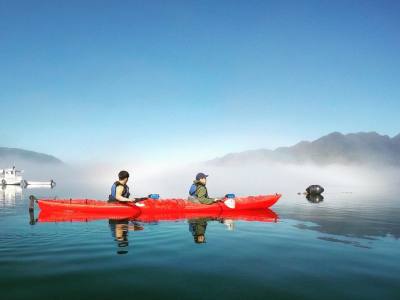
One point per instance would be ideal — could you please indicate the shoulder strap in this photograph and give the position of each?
(206, 191)
(197, 188)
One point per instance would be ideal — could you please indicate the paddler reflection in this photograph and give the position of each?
(198, 226)
(120, 230)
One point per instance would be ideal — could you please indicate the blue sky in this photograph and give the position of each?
(191, 80)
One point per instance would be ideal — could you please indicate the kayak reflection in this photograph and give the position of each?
(259, 215)
(198, 222)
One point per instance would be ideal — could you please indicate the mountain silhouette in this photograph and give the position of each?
(334, 148)
(15, 156)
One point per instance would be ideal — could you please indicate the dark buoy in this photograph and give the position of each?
(315, 198)
(315, 190)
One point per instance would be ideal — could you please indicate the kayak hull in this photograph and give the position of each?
(151, 206)
(89, 206)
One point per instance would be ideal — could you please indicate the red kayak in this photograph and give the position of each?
(151, 206)
(260, 215)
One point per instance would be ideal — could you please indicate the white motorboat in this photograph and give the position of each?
(10, 176)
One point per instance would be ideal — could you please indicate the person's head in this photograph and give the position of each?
(123, 177)
(201, 177)
(199, 239)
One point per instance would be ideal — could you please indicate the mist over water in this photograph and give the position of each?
(247, 179)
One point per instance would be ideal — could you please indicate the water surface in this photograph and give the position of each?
(346, 246)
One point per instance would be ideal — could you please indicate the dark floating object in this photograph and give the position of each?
(314, 190)
(315, 198)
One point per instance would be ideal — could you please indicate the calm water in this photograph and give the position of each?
(344, 247)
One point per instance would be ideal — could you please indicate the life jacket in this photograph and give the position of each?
(193, 190)
(125, 192)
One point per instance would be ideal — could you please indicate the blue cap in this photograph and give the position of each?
(200, 176)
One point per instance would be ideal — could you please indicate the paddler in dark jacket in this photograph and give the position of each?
(120, 189)
(198, 191)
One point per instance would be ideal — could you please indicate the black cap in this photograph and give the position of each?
(200, 176)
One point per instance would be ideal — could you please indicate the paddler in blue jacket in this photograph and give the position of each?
(120, 189)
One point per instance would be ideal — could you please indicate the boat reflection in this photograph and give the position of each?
(9, 195)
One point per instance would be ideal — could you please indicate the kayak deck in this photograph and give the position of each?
(180, 205)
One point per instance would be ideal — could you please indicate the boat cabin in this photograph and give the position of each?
(10, 176)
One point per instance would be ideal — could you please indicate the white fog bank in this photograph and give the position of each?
(249, 179)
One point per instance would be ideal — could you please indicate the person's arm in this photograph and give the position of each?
(118, 194)
(201, 196)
